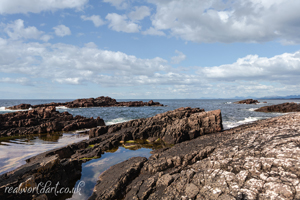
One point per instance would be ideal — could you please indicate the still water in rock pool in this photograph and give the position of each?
(92, 169)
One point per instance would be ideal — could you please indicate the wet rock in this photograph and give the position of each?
(43, 120)
(283, 108)
(171, 127)
(247, 101)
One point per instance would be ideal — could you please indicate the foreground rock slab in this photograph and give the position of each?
(247, 101)
(282, 108)
(254, 161)
(91, 102)
(43, 120)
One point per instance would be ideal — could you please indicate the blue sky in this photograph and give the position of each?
(149, 49)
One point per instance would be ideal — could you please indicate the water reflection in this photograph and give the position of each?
(14, 152)
(92, 169)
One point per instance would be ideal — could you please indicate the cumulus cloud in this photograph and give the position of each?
(119, 4)
(36, 6)
(96, 19)
(284, 68)
(177, 59)
(62, 30)
(229, 21)
(120, 23)
(74, 65)
(17, 30)
(139, 13)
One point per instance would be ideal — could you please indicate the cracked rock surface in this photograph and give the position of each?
(254, 161)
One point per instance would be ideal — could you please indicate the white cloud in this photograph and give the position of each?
(17, 30)
(64, 63)
(284, 68)
(153, 31)
(96, 19)
(139, 13)
(121, 23)
(177, 59)
(36, 6)
(229, 21)
(119, 4)
(62, 30)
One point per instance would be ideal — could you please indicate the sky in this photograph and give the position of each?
(149, 49)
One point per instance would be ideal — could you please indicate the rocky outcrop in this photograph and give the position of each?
(282, 108)
(247, 101)
(169, 124)
(254, 161)
(91, 102)
(171, 127)
(43, 120)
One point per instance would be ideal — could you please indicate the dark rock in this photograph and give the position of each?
(172, 127)
(247, 101)
(43, 120)
(283, 108)
(91, 102)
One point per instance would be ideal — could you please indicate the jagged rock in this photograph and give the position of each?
(91, 102)
(172, 127)
(110, 137)
(247, 101)
(43, 120)
(255, 161)
(283, 108)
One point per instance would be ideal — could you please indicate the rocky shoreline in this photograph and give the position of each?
(43, 120)
(170, 127)
(91, 102)
(260, 160)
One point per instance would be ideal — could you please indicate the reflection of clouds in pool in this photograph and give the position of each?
(14, 152)
(97, 163)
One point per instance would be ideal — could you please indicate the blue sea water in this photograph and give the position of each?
(14, 152)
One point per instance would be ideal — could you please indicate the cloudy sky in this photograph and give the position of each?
(149, 49)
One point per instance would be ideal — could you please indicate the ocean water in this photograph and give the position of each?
(232, 114)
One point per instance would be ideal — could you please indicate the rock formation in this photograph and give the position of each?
(43, 120)
(254, 161)
(247, 101)
(283, 108)
(91, 102)
(178, 125)
(171, 127)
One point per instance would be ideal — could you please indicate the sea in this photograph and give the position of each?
(14, 152)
